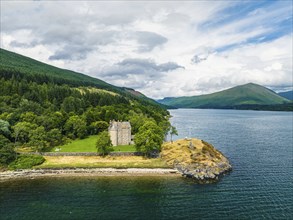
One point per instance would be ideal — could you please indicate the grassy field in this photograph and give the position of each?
(89, 145)
(102, 162)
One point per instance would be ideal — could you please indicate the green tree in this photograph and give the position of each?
(166, 127)
(136, 121)
(7, 154)
(37, 139)
(173, 131)
(54, 137)
(72, 104)
(75, 127)
(30, 106)
(52, 120)
(104, 144)
(149, 138)
(4, 128)
(98, 126)
(22, 131)
(28, 117)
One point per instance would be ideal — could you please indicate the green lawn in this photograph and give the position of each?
(124, 148)
(89, 145)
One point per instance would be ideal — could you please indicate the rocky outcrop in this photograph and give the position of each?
(196, 159)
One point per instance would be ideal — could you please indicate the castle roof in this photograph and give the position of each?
(119, 125)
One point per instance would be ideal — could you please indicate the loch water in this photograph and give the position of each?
(259, 144)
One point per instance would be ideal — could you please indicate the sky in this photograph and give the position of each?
(160, 48)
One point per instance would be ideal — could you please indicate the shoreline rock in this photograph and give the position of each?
(196, 159)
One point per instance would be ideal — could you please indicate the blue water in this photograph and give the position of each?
(258, 144)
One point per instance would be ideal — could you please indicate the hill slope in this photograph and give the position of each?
(32, 70)
(287, 95)
(248, 94)
(16, 63)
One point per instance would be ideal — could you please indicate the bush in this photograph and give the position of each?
(26, 162)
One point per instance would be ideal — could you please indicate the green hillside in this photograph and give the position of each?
(18, 64)
(13, 64)
(248, 94)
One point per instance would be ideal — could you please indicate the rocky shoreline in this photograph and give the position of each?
(196, 159)
(33, 173)
(203, 174)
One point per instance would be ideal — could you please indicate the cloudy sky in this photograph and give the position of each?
(163, 48)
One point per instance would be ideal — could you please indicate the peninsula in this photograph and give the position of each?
(190, 158)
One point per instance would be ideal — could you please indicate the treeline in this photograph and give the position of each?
(40, 116)
(277, 107)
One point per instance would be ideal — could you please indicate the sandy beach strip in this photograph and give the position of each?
(6, 175)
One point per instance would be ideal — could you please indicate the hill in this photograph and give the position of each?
(22, 67)
(13, 63)
(287, 95)
(244, 95)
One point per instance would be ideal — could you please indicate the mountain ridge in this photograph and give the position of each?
(287, 94)
(247, 94)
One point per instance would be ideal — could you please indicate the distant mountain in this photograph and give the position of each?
(244, 95)
(287, 95)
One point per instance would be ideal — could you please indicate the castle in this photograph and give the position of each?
(120, 133)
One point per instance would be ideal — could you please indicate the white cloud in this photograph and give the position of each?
(218, 43)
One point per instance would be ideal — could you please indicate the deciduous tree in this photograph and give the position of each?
(7, 154)
(149, 138)
(173, 131)
(104, 144)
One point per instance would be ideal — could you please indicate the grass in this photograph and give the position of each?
(124, 148)
(202, 153)
(79, 145)
(102, 162)
(89, 145)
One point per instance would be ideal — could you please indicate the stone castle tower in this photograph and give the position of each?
(120, 133)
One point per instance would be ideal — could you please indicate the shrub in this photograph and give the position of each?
(26, 162)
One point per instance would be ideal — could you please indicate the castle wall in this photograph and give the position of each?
(120, 133)
(113, 137)
(125, 136)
